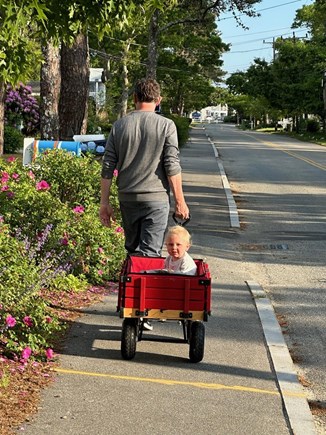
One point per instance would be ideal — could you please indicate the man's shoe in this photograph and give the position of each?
(147, 325)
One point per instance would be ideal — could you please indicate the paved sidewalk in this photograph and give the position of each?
(234, 389)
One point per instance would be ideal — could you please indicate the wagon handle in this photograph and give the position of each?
(182, 223)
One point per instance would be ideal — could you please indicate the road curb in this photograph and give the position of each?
(233, 210)
(292, 393)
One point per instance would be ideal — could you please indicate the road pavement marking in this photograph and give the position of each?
(292, 154)
(233, 210)
(204, 385)
(296, 406)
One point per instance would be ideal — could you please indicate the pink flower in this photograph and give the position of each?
(42, 185)
(10, 321)
(1, 221)
(64, 241)
(4, 188)
(115, 173)
(11, 159)
(78, 209)
(15, 176)
(5, 177)
(48, 319)
(49, 353)
(100, 250)
(31, 175)
(119, 230)
(28, 321)
(100, 272)
(26, 353)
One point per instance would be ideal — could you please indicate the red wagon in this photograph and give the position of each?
(146, 292)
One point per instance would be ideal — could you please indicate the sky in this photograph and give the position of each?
(276, 18)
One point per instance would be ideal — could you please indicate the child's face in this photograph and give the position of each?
(176, 246)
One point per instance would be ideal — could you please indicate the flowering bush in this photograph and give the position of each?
(22, 108)
(51, 238)
(26, 323)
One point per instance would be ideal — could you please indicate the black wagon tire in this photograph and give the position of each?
(197, 342)
(128, 338)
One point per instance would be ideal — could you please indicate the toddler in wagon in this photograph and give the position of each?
(177, 242)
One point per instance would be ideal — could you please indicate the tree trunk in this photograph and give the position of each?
(125, 82)
(2, 119)
(153, 45)
(50, 91)
(74, 87)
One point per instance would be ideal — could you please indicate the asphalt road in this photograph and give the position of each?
(280, 188)
(234, 389)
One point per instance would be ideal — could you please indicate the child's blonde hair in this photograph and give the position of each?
(179, 231)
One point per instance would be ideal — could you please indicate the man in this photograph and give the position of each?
(143, 147)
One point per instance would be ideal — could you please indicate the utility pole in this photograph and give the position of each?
(273, 45)
(323, 83)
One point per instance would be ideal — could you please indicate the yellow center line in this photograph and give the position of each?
(290, 153)
(183, 383)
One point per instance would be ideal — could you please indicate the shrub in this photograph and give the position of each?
(312, 126)
(25, 319)
(182, 125)
(22, 108)
(13, 139)
(51, 241)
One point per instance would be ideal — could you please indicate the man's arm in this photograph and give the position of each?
(181, 208)
(106, 210)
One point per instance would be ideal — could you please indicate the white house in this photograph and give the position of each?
(97, 88)
(214, 112)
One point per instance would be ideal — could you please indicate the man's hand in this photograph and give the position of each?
(182, 210)
(106, 214)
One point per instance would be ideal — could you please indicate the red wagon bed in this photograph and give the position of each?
(146, 292)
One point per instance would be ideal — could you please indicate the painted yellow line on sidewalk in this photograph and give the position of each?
(292, 154)
(175, 382)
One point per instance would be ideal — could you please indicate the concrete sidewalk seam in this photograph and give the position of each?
(297, 408)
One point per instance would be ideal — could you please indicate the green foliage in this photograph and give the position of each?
(13, 139)
(313, 126)
(182, 125)
(25, 319)
(49, 243)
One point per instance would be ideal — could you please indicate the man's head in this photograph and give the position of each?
(147, 91)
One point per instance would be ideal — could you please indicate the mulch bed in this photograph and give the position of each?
(21, 383)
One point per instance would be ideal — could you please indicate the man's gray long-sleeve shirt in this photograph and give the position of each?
(143, 147)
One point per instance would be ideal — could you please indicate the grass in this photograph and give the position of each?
(317, 138)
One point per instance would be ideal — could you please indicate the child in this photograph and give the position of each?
(177, 242)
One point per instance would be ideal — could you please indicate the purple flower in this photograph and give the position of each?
(10, 194)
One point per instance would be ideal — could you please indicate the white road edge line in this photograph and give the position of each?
(233, 210)
(297, 408)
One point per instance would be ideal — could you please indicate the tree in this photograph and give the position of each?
(18, 53)
(50, 91)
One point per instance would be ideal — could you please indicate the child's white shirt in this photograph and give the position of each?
(185, 265)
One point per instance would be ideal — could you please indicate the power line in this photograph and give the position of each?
(259, 10)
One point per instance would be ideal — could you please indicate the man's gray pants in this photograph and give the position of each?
(144, 225)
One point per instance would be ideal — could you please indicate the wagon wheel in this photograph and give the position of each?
(197, 342)
(128, 338)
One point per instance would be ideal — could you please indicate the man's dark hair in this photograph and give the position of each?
(147, 90)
